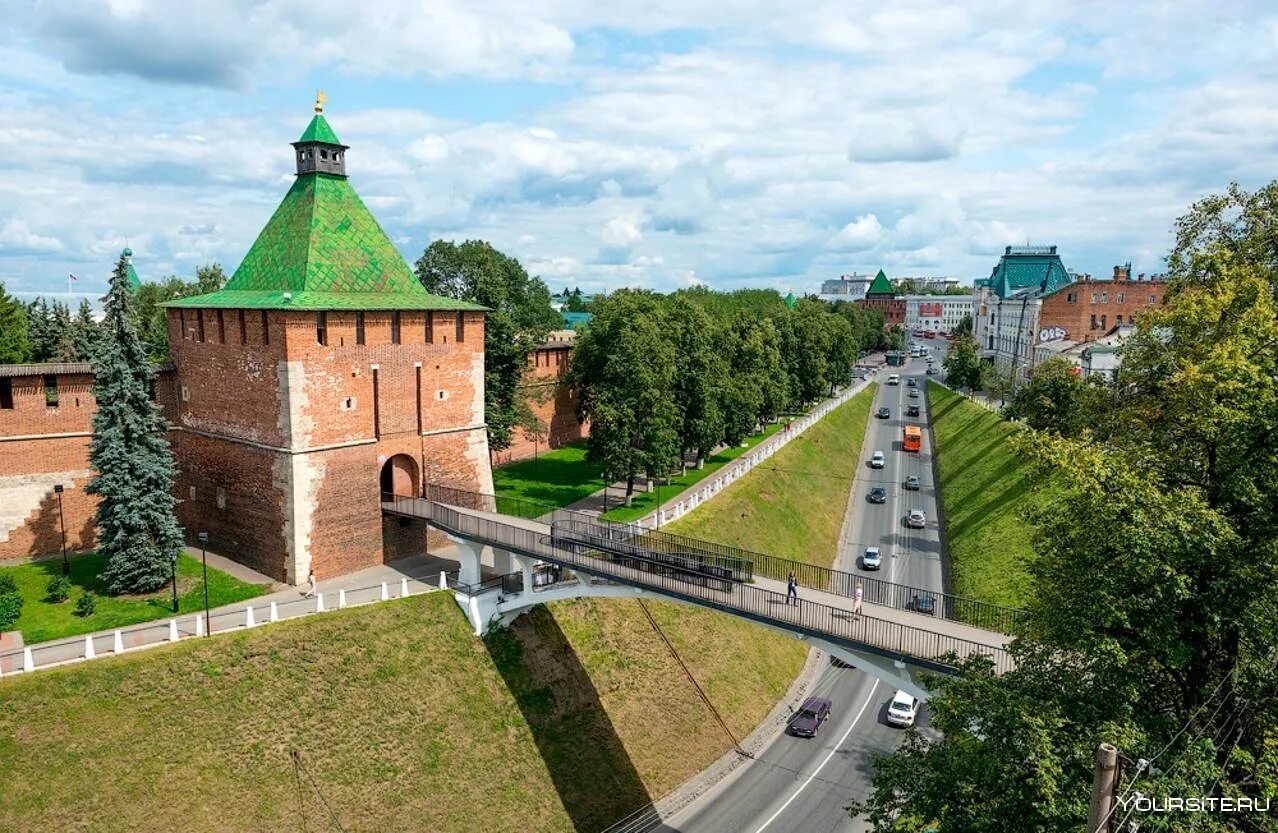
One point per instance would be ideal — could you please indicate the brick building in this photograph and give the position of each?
(882, 296)
(320, 376)
(552, 402)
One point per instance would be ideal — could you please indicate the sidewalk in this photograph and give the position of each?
(417, 574)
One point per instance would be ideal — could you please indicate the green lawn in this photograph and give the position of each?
(792, 504)
(574, 718)
(645, 502)
(984, 486)
(42, 620)
(557, 477)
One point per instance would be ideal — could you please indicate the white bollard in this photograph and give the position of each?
(403, 587)
(173, 631)
(248, 616)
(199, 624)
(319, 602)
(385, 593)
(341, 598)
(89, 652)
(275, 612)
(443, 581)
(117, 646)
(28, 662)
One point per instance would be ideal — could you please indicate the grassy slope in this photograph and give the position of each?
(580, 719)
(983, 486)
(558, 477)
(41, 621)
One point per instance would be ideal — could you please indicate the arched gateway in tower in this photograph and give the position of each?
(322, 360)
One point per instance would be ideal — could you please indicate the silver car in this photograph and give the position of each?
(917, 519)
(871, 560)
(877, 461)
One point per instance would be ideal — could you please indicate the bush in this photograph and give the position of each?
(7, 584)
(10, 609)
(59, 589)
(86, 604)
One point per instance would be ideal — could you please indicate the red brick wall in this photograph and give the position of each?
(1075, 316)
(893, 309)
(552, 402)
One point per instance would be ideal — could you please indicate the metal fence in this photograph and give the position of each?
(986, 615)
(929, 648)
(251, 614)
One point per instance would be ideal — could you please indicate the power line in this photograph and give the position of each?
(299, 766)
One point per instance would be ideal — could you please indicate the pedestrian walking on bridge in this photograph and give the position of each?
(856, 601)
(792, 589)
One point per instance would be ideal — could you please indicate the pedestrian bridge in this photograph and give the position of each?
(563, 555)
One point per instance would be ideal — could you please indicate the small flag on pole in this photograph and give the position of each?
(72, 277)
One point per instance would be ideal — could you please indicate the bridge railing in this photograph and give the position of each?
(937, 650)
(981, 614)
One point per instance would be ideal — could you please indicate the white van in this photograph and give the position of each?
(894, 379)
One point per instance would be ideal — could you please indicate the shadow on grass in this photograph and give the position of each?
(593, 774)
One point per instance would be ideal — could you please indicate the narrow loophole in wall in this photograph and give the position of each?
(221, 498)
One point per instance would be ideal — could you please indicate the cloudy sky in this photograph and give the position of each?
(634, 142)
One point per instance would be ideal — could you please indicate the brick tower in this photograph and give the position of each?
(322, 374)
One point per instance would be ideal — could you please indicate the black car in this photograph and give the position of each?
(923, 604)
(931, 371)
(911, 410)
(878, 495)
(912, 383)
(809, 718)
(883, 413)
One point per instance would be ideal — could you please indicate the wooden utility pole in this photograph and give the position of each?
(1104, 782)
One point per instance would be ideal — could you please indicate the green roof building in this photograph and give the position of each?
(1028, 267)
(880, 287)
(134, 281)
(322, 249)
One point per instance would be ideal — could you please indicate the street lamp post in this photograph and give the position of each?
(203, 538)
(174, 573)
(62, 524)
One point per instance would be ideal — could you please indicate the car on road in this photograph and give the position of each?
(922, 603)
(870, 559)
(912, 382)
(911, 410)
(903, 709)
(878, 495)
(814, 711)
(914, 393)
(883, 413)
(931, 371)
(916, 519)
(876, 460)
(912, 482)
(894, 378)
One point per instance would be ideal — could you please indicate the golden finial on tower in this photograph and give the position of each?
(320, 98)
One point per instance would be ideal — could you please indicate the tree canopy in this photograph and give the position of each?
(1155, 579)
(15, 347)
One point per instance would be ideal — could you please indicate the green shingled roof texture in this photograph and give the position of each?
(323, 247)
(134, 280)
(319, 131)
(1016, 272)
(880, 285)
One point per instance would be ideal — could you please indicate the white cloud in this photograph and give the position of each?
(16, 235)
(622, 231)
(864, 232)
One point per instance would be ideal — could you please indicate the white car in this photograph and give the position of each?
(902, 710)
(871, 559)
(894, 379)
(877, 461)
(917, 519)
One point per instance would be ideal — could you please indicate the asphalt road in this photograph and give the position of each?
(803, 785)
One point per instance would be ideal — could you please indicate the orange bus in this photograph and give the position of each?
(929, 333)
(913, 438)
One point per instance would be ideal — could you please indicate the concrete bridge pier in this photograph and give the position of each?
(526, 565)
(501, 561)
(470, 556)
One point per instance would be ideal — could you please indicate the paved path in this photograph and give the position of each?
(361, 586)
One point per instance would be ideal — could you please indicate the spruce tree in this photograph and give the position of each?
(131, 459)
(14, 345)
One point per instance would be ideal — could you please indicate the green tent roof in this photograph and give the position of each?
(1025, 267)
(134, 280)
(880, 285)
(322, 249)
(319, 131)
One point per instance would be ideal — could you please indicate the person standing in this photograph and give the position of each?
(311, 585)
(856, 601)
(792, 589)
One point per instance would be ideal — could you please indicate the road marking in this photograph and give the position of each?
(821, 766)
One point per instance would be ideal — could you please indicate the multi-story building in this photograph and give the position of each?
(845, 288)
(924, 284)
(321, 376)
(936, 312)
(1030, 301)
(882, 296)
